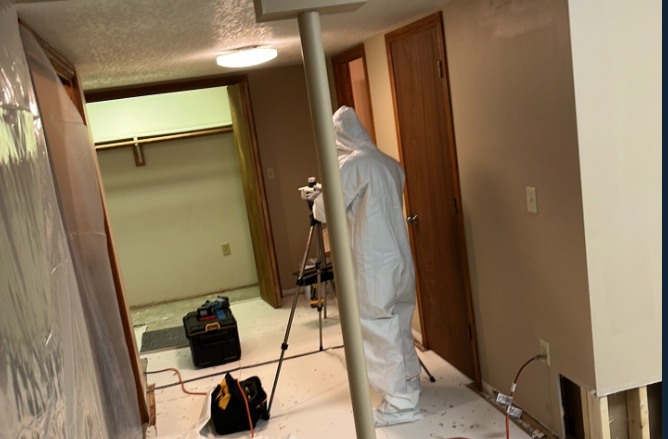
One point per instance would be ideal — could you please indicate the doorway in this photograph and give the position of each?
(352, 85)
(181, 179)
(238, 127)
(420, 89)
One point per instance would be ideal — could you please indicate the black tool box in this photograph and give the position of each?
(213, 334)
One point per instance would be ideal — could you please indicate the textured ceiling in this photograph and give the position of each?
(121, 42)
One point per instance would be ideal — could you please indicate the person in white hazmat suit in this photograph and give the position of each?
(373, 184)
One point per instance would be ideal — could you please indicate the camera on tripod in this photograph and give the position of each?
(313, 186)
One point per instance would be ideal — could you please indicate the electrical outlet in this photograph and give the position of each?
(226, 249)
(545, 349)
(532, 201)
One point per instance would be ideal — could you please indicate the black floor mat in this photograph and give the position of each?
(169, 338)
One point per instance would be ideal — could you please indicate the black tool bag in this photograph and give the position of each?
(228, 409)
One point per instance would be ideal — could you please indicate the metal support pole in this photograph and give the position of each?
(321, 114)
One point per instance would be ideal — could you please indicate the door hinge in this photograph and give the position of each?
(470, 333)
(439, 66)
(455, 203)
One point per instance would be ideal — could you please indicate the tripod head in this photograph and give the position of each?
(310, 192)
(312, 187)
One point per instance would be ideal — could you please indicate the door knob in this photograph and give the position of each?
(412, 220)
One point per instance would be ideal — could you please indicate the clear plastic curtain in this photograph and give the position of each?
(51, 384)
(75, 170)
(48, 383)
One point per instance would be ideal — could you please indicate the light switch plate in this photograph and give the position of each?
(270, 174)
(226, 249)
(532, 201)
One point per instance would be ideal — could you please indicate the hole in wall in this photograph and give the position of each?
(572, 408)
(654, 399)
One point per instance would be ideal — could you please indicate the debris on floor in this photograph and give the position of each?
(312, 399)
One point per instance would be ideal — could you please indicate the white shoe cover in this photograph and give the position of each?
(399, 409)
(384, 419)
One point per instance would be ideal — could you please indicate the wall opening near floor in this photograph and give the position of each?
(174, 218)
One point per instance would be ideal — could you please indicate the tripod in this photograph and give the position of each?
(320, 275)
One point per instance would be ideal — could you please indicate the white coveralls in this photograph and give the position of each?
(373, 184)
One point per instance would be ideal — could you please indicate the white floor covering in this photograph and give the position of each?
(168, 315)
(312, 399)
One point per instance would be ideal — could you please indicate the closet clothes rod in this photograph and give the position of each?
(165, 137)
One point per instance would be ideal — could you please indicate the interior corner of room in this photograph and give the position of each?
(149, 181)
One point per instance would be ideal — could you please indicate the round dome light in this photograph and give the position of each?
(251, 56)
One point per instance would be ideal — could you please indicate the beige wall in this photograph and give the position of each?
(171, 216)
(285, 137)
(617, 69)
(514, 114)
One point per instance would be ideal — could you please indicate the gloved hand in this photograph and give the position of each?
(311, 196)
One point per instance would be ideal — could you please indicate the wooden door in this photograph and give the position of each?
(254, 191)
(424, 123)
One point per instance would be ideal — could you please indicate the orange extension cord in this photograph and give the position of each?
(243, 395)
(512, 390)
(183, 387)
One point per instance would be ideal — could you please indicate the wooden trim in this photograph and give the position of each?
(436, 20)
(595, 415)
(638, 410)
(250, 120)
(151, 399)
(65, 70)
(255, 194)
(164, 138)
(68, 76)
(124, 309)
(342, 82)
(63, 67)
(344, 93)
(131, 91)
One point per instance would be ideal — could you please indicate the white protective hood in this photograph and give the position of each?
(373, 185)
(350, 134)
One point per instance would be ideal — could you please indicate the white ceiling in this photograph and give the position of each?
(121, 42)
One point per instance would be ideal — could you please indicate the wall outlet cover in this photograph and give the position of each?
(545, 349)
(532, 201)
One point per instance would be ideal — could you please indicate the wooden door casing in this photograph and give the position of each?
(343, 81)
(418, 75)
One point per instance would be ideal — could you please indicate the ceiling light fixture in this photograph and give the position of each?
(246, 57)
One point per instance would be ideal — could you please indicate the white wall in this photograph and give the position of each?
(617, 66)
(171, 216)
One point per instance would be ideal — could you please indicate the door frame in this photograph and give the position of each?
(64, 69)
(203, 83)
(344, 93)
(167, 87)
(398, 34)
(67, 73)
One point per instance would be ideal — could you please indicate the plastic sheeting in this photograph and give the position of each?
(51, 383)
(74, 166)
